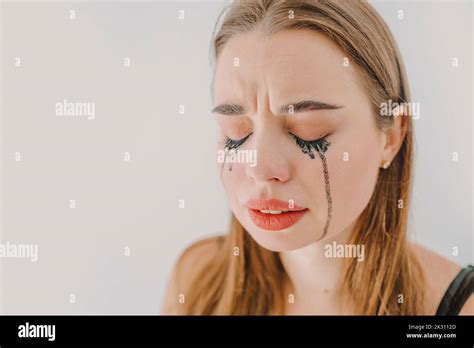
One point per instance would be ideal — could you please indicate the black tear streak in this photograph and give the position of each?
(321, 147)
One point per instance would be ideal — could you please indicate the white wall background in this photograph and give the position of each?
(135, 204)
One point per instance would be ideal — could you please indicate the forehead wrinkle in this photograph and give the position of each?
(265, 75)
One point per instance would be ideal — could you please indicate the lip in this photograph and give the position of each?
(274, 222)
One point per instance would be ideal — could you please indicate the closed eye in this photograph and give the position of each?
(320, 144)
(234, 144)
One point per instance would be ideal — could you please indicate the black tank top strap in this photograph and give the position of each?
(458, 292)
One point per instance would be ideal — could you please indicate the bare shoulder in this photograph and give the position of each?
(188, 264)
(197, 254)
(438, 271)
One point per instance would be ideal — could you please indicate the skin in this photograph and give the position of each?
(279, 70)
(285, 68)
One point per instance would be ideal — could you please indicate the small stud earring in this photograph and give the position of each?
(386, 164)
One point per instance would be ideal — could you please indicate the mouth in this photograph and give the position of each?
(274, 214)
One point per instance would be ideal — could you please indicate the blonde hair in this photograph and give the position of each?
(252, 283)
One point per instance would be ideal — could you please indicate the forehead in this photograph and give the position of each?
(285, 65)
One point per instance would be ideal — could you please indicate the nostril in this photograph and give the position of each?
(268, 171)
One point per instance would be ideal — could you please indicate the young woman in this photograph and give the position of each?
(319, 222)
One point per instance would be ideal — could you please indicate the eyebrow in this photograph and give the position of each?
(228, 109)
(303, 105)
(306, 105)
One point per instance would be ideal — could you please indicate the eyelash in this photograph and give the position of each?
(231, 144)
(320, 143)
(303, 144)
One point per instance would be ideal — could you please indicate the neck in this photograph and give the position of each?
(311, 273)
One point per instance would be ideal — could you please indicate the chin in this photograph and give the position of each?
(284, 240)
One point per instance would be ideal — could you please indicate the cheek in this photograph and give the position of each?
(232, 176)
(353, 181)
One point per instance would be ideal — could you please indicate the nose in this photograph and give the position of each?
(272, 164)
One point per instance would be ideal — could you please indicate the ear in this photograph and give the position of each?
(392, 138)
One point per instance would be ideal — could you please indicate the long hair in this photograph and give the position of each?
(389, 281)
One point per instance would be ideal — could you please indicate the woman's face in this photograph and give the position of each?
(285, 191)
